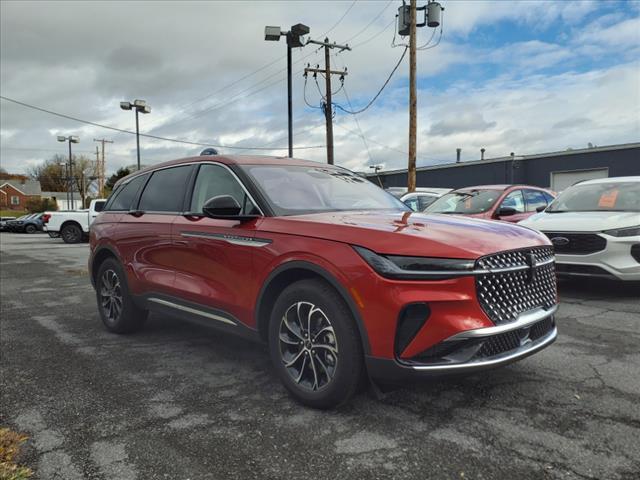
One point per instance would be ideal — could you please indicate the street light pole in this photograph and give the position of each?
(289, 96)
(293, 38)
(73, 206)
(138, 138)
(138, 106)
(71, 139)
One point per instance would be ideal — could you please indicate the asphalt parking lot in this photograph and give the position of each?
(177, 401)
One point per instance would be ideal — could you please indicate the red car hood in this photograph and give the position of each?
(409, 233)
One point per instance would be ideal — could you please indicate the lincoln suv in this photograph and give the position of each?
(339, 278)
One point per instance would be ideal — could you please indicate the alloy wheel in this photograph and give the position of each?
(308, 346)
(111, 296)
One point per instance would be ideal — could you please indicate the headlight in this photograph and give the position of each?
(416, 268)
(624, 232)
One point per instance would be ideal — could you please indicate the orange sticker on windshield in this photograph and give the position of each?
(608, 199)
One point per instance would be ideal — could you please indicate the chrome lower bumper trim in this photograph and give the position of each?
(524, 351)
(524, 320)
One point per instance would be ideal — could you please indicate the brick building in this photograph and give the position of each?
(15, 193)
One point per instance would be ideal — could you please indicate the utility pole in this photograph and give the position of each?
(101, 166)
(328, 108)
(413, 100)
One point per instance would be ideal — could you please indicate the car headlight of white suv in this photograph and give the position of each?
(624, 232)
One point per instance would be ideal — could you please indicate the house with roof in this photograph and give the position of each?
(15, 193)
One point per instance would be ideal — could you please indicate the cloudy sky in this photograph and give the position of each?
(521, 76)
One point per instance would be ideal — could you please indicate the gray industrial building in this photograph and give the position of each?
(556, 170)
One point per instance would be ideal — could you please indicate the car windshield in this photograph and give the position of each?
(598, 197)
(465, 202)
(295, 190)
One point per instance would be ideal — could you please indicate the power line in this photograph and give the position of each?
(376, 35)
(340, 20)
(147, 135)
(267, 65)
(351, 112)
(370, 23)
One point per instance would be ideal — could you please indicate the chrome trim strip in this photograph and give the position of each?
(233, 239)
(523, 351)
(524, 320)
(192, 310)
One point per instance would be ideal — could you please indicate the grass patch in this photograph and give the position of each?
(12, 213)
(10, 443)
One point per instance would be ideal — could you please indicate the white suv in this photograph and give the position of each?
(595, 228)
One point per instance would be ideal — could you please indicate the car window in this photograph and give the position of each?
(98, 206)
(550, 198)
(514, 200)
(215, 180)
(534, 199)
(596, 197)
(425, 200)
(465, 202)
(165, 190)
(125, 195)
(412, 203)
(298, 190)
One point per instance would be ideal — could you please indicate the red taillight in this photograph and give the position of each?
(45, 218)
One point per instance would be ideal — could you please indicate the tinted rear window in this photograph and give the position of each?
(126, 194)
(165, 190)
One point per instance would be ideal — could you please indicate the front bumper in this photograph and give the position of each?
(473, 350)
(615, 261)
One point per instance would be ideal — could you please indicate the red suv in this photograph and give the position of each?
(510, 203)
(340, 278)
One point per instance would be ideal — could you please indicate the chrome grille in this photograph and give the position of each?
(503, 295)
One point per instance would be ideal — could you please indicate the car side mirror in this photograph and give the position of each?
(506, 211)
(224, 207)
(541, 208)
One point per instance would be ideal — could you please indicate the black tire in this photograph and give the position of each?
(338, 349)
(30, 229)
(71, 233)
(129, 317)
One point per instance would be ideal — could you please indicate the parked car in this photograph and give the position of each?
(595, 228)
(511, 203)
(418, 201)
(337, 276)
(72, 226)
(3, 222)
(29, 223)
(399, 192)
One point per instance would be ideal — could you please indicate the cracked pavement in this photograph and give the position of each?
(179, 401)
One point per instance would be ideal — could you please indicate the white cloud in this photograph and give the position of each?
(55, 54)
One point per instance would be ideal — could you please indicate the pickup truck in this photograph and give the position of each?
(72, 225)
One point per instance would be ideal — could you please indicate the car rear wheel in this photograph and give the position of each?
(30, 229)
(314, 345)
(71, 233)
(117, 309)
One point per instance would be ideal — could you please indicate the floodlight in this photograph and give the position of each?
(146, 109)
(74, 139)
(272, 34)
(300, 29)
(61, 138)
(125, 105)
(140, 103)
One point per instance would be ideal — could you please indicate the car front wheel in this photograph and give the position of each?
(314, 345)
